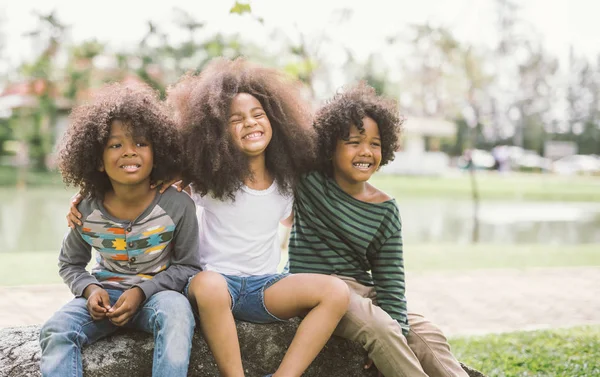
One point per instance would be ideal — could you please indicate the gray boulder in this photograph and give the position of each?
(129, 354)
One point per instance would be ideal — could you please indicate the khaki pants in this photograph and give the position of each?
(423, 353)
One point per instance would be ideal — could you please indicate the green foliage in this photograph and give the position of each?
(240, 8)
(571, 352)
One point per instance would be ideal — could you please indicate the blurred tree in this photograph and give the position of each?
(38, 132)
(536, 97)
(583, 98)
(434, 71)
(80, 68)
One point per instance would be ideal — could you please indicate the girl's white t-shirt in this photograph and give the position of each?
(241, 237)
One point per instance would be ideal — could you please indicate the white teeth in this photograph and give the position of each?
(252, 135)
(362, 165)
(130, 166)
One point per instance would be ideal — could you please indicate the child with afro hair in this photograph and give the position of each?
(247, 136)
(346, 227)
(146, 242)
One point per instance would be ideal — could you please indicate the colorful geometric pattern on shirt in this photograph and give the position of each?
(334, 233)
(125, 258)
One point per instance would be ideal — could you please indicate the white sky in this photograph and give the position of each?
(122, 23)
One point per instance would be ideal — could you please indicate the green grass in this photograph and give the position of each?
(26, 268)
(8, 177)
(493, 186)
(429, 257)
(569, 352)
(42, 266)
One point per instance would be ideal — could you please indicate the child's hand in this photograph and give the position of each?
(178, 183)
(126, 306)
(369, 364)
(98, 302)
(74, 215)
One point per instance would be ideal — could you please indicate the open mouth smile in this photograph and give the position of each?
(130, 167)
(253, 135)
(362, 165)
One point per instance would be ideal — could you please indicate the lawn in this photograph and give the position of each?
(429, 257)
(517, 186)
(542, 187)
(42, 266)
(569, 352)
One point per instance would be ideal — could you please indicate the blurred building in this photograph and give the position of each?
(420, 154)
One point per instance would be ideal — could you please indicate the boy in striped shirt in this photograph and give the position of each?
(346, 227)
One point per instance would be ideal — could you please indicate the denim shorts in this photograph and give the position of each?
(248, 297)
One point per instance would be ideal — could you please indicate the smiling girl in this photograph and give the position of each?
(247, 137)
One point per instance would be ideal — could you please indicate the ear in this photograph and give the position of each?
(101, 167)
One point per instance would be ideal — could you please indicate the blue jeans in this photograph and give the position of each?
(166, 314)
(248, 297)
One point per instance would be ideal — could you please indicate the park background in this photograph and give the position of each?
(498, 178)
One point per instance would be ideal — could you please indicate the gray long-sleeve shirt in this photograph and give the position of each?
(156, 251)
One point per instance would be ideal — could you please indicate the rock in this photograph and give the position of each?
(129, 354)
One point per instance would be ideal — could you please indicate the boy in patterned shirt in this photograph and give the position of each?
(146, 242)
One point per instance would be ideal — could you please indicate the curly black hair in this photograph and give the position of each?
(140, 109)
(334, 120)
(201, 104)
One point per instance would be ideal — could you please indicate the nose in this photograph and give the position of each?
(129, 151)
(365, 151)
(250, 122)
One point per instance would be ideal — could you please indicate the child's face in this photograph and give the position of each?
(357, 158)
(249, 125)
(126, 161)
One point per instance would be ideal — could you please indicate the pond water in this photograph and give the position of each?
(34, 220)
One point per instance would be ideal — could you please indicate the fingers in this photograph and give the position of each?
(168, 184)
(74, 215)
(73, 221)
(120, 313)
(96, 311)
(95, 308)
(179, 185)
(104, 299)
(122, 318)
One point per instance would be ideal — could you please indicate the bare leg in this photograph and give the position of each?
(323, 299)
(208, 291)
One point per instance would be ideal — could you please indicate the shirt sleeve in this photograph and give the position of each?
(185, 260)
(289, 207)
(75, 254)
(196, 197)
(389, 280)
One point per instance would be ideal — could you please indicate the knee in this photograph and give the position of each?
(208, 289)
(426, 331)
(175, 312)
(57, 330)
(380, 332)
(336, 294)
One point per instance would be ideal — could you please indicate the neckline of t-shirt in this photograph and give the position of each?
(144, 213)
(266, 191)
(385, 203)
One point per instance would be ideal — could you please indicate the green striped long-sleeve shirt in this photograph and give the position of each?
(334, 233)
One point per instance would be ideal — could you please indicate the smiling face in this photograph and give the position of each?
(249, 125)
(358, 157)
(126, 161)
